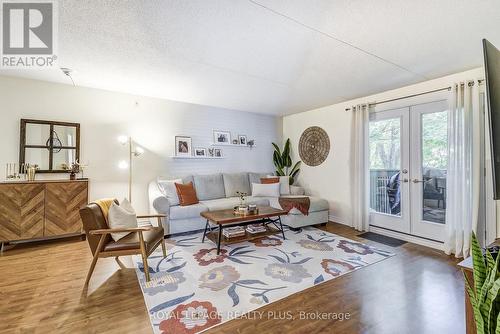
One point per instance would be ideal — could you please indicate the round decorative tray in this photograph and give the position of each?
(237, 211)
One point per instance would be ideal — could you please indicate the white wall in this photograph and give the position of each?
(332, 179)
(152, 123)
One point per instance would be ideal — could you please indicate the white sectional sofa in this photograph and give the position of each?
(218, 191)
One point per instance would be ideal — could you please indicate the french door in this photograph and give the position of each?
(408, 163)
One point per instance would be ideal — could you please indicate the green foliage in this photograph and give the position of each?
(485, 295)
(385, 142)
(282, 161)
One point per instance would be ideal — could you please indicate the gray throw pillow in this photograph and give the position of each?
(236, 182)
(209, 186)
(167, 188)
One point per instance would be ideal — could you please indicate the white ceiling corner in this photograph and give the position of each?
(267, 56)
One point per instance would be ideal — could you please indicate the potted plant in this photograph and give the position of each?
(242, 196)
(282, 161)
(75, 169)
(484, 295)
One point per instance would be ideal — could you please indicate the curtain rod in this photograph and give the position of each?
(471, 83)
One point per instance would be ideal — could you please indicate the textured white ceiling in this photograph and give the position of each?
(267, 56)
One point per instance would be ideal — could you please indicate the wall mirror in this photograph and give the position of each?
(53, 146)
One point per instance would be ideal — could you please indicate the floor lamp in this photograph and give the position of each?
(133, 151)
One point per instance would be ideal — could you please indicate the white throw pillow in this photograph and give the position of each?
(121, 216)
(125, 204)
(284, 184)
(266, 190)
(167, 187)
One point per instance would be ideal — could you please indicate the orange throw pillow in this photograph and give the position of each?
(269, 180)
(187, 194)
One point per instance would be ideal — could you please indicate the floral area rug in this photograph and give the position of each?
(193, 288)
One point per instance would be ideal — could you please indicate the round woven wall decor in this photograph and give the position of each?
(314, 146)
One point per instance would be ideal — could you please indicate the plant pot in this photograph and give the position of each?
(72, 176)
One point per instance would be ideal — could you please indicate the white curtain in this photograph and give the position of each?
(360, 196)
(462, 193)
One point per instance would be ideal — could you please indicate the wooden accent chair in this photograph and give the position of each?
(140, 240)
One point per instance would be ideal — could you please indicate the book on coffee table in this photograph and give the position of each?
(256, 228)
(232, 232)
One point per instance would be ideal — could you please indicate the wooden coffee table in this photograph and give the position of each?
(227, 218)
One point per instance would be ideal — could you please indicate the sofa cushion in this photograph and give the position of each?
(296, 190)
(231, 202)
(284, 184)
(221, 203)
(209, 186)
(255, 177)
(236, 182)
(185, 212)
(187, 179)
(266, 190)
(168, 189)
(264, 201)
(317, 204)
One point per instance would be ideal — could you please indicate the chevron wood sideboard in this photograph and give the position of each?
(41, 209)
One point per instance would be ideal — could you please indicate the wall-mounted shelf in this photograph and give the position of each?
(194, 157)
(231, 145)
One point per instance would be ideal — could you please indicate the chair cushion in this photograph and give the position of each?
(186, 212)
(187, 194)
(131, 241)
(209, 186)
(236, 182)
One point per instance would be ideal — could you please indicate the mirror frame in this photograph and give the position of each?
(23, 146)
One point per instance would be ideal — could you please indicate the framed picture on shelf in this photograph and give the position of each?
(218, 153)
(242, 140)
(183, 146)
(222, 137)
(200, 152)
(211, 152)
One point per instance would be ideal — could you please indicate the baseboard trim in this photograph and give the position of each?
(409, 238)
(339, 220)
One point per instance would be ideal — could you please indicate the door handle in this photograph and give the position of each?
(405, 180)
(417, 181)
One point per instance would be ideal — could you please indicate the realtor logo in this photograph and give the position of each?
(28, 34)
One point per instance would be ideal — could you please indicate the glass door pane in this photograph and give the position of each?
(434, 165)
(385, 164)
(429, 162)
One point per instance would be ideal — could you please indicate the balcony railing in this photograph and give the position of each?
(379, 199)
(433, 192)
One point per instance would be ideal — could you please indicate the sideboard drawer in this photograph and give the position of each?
(21, 211)
(62, 205)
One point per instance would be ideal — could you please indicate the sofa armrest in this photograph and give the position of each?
(296, 190)
(161, 205)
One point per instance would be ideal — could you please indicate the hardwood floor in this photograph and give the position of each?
(419, 290)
